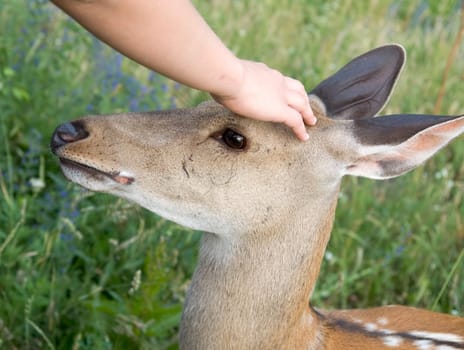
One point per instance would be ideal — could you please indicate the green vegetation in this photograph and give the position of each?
(80, 270)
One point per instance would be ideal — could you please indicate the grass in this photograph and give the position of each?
(88, 271)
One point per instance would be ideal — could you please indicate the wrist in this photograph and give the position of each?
(230, 79)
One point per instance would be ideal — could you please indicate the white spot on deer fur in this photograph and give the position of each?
(370, 327)
(445, 337)
(383, 321)
(392, 341)
(423, 344)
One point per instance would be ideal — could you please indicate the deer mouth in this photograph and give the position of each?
(95, 173)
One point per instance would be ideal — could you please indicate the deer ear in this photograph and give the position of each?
(362, 87)
(392, 145)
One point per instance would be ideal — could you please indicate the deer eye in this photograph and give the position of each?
(233, 139)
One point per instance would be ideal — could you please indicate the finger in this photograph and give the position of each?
(308, 116)
(301, 104)
(299, 100)
(295, 122)
(295, 85)
(306, 112)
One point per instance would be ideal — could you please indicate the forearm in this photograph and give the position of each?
(168, 36)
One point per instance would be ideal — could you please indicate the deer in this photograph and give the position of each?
(265, 203)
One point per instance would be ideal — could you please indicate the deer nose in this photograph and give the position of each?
(67, 133)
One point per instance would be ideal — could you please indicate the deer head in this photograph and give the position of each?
(211, 170)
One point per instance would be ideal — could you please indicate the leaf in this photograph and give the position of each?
(21, 94)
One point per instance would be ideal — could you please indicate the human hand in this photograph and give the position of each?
(265, 94)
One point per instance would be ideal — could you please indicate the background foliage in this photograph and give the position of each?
(86, 271)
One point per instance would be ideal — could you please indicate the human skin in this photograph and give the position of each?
(171, 37)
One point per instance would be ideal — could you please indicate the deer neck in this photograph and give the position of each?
(254, 293)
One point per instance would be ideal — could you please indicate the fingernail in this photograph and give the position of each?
(305, 137)
(311, 121)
